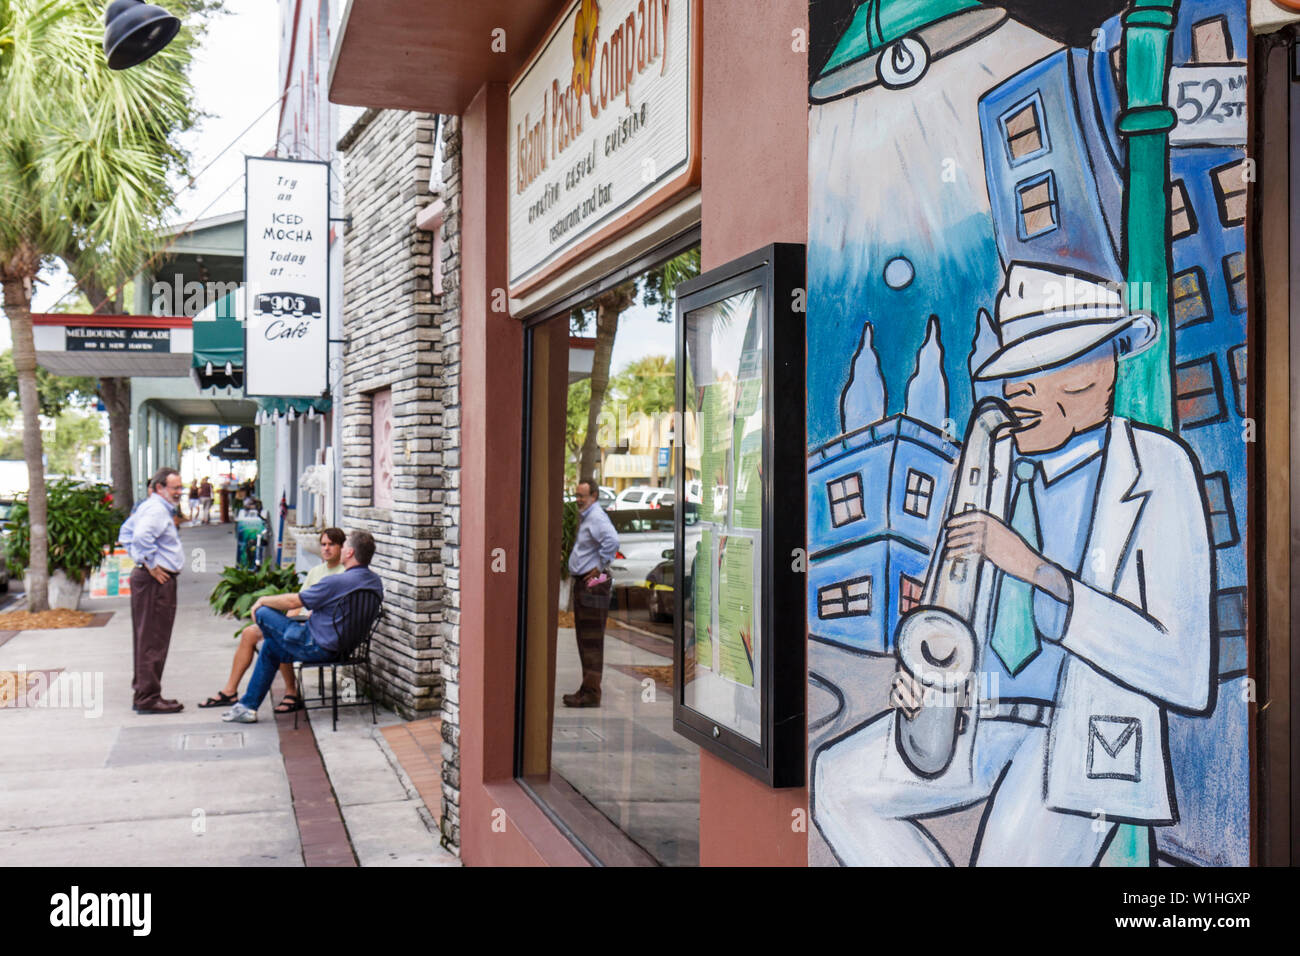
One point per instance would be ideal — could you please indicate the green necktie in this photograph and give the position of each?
(1015, 639)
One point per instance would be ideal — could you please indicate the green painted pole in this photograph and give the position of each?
(1142, 391)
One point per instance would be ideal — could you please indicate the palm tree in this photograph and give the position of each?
(657, 289)
(85, 158)
(609, 306)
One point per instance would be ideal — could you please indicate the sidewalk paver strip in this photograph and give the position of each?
(323, 835)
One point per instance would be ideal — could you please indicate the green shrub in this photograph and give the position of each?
(239, 588)
(568, 533)
(82, 522)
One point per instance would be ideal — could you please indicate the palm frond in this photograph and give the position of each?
(89, 155)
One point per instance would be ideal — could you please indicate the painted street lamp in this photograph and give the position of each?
(135, 30)
(892, 43)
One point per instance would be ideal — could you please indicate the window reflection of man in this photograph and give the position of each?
(594, 547)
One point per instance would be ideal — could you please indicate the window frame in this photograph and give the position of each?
(1234, 284)
(1179, 186)
(1222, 197)
(905, 579)
(1035, 102)
(1220, 480)
(1202, 293)
(583, 831)
(845, 599)
(830, 495)
(909, 492)
(1240, 383)
(1217, 389)
(1220, 20)
(1048, 178)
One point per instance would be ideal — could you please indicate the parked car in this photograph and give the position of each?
(604, 497)
(662, 601)
(643, 536)
(643, 496)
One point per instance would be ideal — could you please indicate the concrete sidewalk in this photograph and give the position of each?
(85, 780)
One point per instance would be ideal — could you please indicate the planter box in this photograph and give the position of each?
(65, 594)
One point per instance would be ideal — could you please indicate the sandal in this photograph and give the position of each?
(290, 703)
(221, 700)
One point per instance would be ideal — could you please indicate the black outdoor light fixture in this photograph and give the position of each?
(134, 31)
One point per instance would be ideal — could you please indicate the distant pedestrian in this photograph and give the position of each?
(154, 545)
(205, 499)
(194, 502)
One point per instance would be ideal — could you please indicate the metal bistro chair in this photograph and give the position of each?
(356, 618)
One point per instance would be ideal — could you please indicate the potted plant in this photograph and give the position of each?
(82, 523)
(239, 588)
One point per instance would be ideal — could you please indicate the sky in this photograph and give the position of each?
(640, 334)
(235, 79)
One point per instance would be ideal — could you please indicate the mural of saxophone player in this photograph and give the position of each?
(1092, 617)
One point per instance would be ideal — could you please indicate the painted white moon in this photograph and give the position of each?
(899, 272)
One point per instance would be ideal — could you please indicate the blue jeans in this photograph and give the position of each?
(283, 640)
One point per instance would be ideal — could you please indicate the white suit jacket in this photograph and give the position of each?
(1137, 631)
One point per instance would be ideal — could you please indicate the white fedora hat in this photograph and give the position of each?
(1047, 317)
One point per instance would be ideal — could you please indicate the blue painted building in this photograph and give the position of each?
(1050, 169)
(876, 501)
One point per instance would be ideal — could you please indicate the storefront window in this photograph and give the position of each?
(596, 740)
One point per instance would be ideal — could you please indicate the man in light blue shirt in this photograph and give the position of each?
(594, 548)
(151, 539)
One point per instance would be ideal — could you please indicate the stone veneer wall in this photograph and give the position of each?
(447, 393)
(392, 322)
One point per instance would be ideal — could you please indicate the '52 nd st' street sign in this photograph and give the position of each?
(286, 278)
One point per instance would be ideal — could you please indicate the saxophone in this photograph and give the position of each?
(935, 642)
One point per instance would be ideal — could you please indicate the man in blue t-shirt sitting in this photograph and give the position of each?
(312, 640)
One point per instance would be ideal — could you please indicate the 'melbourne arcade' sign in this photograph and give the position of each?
(286, 278)
(602, 128)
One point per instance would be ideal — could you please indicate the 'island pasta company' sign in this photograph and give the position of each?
(286, 278)
(603, 128)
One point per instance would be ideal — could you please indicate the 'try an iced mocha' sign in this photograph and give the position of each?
(286, 278)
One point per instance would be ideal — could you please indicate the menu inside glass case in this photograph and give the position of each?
(741, 470)
(723, 640)
(735, 606)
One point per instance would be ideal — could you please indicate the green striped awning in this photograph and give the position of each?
(273, 408)
(219, 343)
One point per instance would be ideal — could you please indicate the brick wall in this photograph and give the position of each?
(447, 393)
(394, 328)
